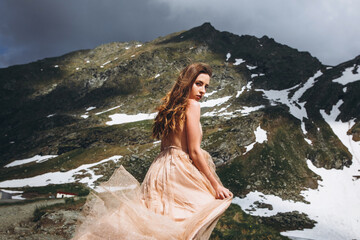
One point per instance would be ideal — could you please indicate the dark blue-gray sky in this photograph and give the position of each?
(35, 29)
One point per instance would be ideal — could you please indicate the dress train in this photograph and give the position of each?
(175, 201)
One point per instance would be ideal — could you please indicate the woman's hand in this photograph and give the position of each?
(222, 192)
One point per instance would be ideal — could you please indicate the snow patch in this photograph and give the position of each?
(247, 110)
(228, 55)
(36, 158)
(61, 177)
(11, 191)
(84, 116)
(108, 110)
(348, 76)
(18, 197)
(296, 108)
(308, 84)
(308, 141)
(90, 108)
(240, 92)
(257, 75)
(209, 94)
(106, 63)
(277, 203)
(239, 61)
(157, 75)
(247, 86)
(215, 102)
(120, 118)
(251, 67)
(260, 137)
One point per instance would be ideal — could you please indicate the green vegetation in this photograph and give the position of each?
(50, 190)
(237, 225)
(276, 166)
(355, 131)
(68, 204)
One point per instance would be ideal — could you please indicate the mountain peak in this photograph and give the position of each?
(207, 27)
(204, 32)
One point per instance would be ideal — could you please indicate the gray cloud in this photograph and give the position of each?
(325, 28)
(31, 30)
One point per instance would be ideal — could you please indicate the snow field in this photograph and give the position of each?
(60, 177)
(334, 205)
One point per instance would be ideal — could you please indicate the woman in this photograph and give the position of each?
(181, 196)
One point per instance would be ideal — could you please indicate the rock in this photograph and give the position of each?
(263, 205)
(22, 230)
(289, 221)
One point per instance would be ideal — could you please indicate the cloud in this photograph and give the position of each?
(325, 28)
(31, 30)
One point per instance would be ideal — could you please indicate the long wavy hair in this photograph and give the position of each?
(171, 113)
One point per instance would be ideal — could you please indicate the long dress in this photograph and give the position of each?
(175, 201)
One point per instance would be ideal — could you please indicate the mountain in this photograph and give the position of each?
(265, 120)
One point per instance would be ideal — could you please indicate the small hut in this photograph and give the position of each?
(5, 195)
(65, 194)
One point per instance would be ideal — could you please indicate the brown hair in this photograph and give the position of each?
(171, 113)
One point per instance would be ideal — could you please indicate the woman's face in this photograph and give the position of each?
(199, 87)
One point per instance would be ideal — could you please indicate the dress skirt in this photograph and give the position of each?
(175, 201)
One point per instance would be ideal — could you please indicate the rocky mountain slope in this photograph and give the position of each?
(263, 115)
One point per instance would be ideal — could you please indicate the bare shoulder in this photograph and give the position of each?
(193, 105)
(193, 109)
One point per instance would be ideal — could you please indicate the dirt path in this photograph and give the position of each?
(12, 215)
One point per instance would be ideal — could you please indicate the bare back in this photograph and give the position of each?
(178, 138)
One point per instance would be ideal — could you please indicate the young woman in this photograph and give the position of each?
(181, 196)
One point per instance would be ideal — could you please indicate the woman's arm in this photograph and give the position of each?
(194, 140)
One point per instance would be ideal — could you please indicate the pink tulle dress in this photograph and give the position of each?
(175, 201)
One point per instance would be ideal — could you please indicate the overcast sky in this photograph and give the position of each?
(34, 29)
